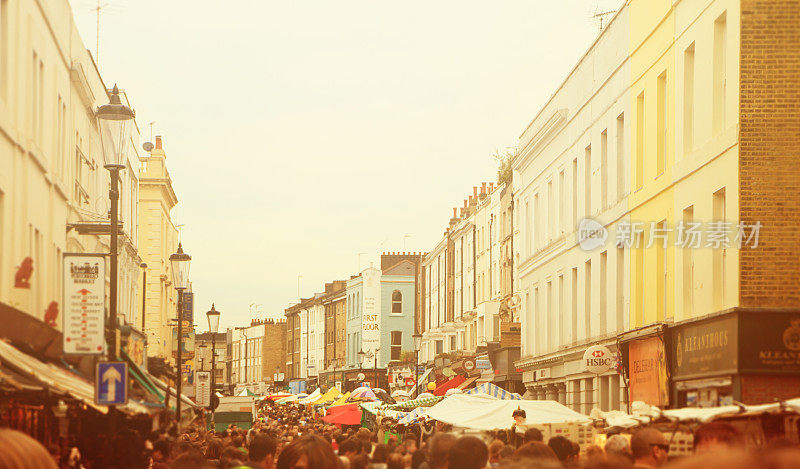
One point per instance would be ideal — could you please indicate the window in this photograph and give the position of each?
(562, 340)
(720, 75)
(603, 293)
(688, 99)
(537, 317)
(537, 239)
(561, 201)
(453, 343)
(661, 272)
(604, 169)
(574, 194)
(620, 156)
(397, 302)
(551, 217)
(688, 267)
(548, 320)
(661, 123)
(397, 345)
(574, 318)
(587, 300)
(37, 93)
(640, 140)
(718, 253)
(587, 182)
(439, 347)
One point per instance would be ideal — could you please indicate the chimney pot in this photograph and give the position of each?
(483, 188)
(491, 186)
(475, 191)
(158, 142)
(455, 212)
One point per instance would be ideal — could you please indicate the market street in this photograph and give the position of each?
(426, 235)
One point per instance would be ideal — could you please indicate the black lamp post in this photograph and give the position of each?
(180, 262)
(213, 327)
(115, 120)
(377, 384)
(361, 357)
(417, 346)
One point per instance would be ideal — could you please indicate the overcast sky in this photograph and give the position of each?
(300, 133)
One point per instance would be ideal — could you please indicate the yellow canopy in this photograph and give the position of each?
(342, 400)
(329, 396)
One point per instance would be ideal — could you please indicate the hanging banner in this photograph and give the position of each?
(647, 372)
(84, 302)
(203, 389)
(371, 318)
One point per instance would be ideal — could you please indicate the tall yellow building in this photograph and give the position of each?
(158, 239)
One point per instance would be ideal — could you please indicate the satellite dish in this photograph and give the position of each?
(147, 146)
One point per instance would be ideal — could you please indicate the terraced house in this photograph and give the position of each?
(655, 213)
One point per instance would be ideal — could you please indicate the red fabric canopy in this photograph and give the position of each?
(349, 414)
(454, 382)
(275, 397)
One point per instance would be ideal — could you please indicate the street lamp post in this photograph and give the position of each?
(213, 327)
(361, 356)
(180, 262)
(377, 385)
(417, 346)
(115, 121)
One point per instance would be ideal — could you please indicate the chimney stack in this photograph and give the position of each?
(483, 188)
(158, 142)
(491, 187)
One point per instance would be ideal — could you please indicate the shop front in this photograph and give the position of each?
(744, 355)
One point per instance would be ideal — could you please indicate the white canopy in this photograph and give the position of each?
(311, 397)
(481, 412)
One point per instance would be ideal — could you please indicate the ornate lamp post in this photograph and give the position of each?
(115, 120)
(180, 262)
(417, 346)
(377, 384)
(213, 327)
(361, 357)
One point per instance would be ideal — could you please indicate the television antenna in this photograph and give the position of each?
(601, 16)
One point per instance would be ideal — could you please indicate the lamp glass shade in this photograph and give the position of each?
(180, 262)
(116, 121)
(417, 341)
(213, 320)
(361, 356)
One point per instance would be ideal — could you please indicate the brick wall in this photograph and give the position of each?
(769, 146)
(273, 350)
(762, 389)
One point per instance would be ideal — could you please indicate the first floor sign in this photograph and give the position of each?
(84, 304)
(111, 383)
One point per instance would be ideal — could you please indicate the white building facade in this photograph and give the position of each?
(571, 165)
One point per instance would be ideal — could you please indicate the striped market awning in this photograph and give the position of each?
(494, 391)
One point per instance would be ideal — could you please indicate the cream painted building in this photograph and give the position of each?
(462, 294)
(572, 164)
(51, 160)
(158, 239)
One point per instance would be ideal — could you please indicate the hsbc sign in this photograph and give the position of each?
(598, 359)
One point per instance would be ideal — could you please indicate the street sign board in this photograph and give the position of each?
(111, 383)
(83, 321)
(188, 307)
(598, 359)
(203, 389)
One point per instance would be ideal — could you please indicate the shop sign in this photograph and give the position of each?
(706, 348)
(647, 372)
(371, 317)
(84, 304)
(188, 307)
(188, 343)
(776, 346)
(483, 364)
(203, 389)
(135, 348)
(598, 359)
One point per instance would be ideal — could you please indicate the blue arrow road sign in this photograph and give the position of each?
(111, 383)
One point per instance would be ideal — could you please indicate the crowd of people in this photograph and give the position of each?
(294, 437)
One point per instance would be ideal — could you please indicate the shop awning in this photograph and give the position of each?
(349, 414)
(58, 379)
(494, 391)
(450, 384)
(172, 391)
